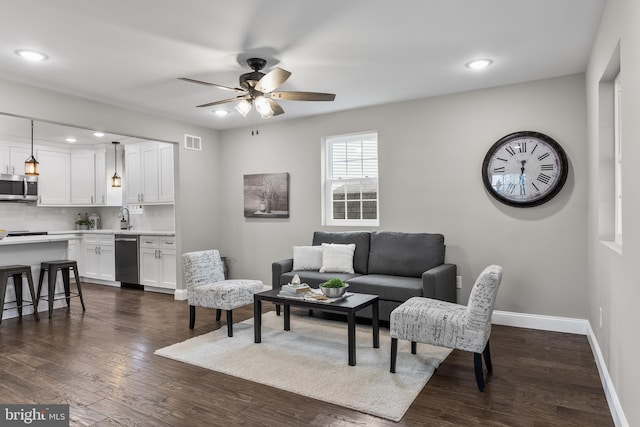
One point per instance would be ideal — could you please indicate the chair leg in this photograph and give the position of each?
(17, 286)
(67, 285)
(51, 286)
(76, 276)
(277, 309)
(218, 314)
(229, 323)
(394, 354)
(414, 347)
(487, 357)
(192, 316)
(477, 364)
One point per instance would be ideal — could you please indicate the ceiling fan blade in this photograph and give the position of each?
(224, 101)
(303, 96)
(232, 89)
(272, 80)
(275, 107)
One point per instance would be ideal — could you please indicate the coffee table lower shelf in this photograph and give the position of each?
(350, 306)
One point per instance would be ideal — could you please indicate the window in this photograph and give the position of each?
(351, 183)
(617, 165)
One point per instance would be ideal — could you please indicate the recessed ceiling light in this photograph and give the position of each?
(70, 139)
(98, 134)
(479, 64)
(31, 55)
(220, 113)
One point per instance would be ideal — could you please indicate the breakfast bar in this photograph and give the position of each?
(32, 250)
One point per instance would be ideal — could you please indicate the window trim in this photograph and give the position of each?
(327, 195)
(617, 160)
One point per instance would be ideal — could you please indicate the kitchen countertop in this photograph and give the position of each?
(130, 232)
(20, 240)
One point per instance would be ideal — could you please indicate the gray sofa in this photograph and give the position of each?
(396, 266)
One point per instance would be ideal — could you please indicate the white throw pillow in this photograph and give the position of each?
(307, 258)
(337, 258)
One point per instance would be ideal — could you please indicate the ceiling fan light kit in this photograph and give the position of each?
(257, 88)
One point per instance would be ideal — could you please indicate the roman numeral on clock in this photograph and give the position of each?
(546, 167)
(498, 170)
(545, 179)
(510, 150)
(544, 156)
(522, 147)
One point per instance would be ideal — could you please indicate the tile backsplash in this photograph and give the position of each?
(27, 216)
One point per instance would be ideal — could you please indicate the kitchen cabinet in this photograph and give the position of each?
(75, 253)
(83, 178)
(89, 180)
(12, 159)
(158, 261)
(99, 256)
(54, 186)
(149, 173)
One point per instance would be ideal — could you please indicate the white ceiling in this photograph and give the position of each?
(367, 52)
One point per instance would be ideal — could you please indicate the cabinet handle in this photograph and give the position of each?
(159, 253)
(91, 199)
(95, 250)
(102, 199)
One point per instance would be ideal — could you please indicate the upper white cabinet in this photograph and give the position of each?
(83, 178)
(90, 185)
(55, 176)
(149, 173)
(12, 159)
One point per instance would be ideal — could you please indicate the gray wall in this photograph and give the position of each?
(196, 191)
(431, 152)
(613, 275)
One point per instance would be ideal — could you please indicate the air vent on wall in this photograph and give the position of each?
(192, 142)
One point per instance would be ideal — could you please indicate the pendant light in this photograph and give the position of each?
(116, 181)
(31, 164)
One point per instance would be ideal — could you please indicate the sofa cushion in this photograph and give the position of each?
(307, 257)
(337, 258)
(390, 288)
(361, 240)
(405, 254)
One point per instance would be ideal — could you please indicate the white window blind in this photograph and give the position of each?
(351, 186)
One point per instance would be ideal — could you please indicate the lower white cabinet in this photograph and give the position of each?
(99, 257)
(158, 261)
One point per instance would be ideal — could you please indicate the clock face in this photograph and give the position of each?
(525, 169)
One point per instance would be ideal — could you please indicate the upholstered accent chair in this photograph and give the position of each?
(446, 324)
(207, 287)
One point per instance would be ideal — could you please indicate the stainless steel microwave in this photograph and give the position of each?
(18, 188)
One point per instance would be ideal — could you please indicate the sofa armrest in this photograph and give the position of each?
(440, 283)
(277, 269)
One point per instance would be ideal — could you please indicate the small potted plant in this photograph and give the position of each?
(82, 224)
(334, 288)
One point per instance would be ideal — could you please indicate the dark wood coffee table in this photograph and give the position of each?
(349, 305)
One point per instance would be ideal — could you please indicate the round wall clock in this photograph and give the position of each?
(525, 169)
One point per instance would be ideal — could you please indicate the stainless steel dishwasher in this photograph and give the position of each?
(127, 264)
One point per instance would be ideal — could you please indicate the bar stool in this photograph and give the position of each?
(53, 267)
(16, 271)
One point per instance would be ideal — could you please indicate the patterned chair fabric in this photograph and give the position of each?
(207, 287)
(447, 324)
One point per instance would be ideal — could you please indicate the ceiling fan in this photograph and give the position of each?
(257, 88)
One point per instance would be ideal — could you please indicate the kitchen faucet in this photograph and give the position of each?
(125, 219)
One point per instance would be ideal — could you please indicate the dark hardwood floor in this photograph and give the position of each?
(102, 364)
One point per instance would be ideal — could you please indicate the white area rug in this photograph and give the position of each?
(312, 360)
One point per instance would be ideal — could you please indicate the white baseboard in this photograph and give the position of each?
(572, 326)
(536, 321)
(180, 294)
